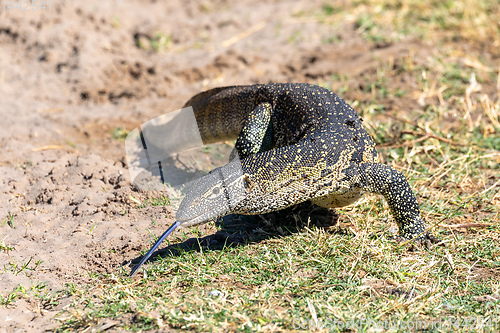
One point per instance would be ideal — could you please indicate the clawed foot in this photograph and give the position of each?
(426, 239)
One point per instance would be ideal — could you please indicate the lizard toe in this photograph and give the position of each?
(425, 240)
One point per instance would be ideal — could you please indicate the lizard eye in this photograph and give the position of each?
(216, 191)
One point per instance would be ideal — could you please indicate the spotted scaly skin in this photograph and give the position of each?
(297, 142)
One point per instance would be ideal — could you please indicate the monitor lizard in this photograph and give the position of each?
(295, 142)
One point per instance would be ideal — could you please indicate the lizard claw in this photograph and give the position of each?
(425, 240)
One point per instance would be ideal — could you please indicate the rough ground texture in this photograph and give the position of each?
(71, 76)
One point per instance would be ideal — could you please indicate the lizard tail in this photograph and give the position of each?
(221, 112)
(196, 99)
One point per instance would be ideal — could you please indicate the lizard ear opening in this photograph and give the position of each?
(247, 183)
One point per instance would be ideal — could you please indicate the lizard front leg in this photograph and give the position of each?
(392, 184)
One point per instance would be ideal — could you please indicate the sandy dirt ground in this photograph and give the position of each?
(71, 76)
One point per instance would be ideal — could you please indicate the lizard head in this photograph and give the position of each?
(213, 196)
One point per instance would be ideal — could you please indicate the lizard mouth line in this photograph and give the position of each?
(195, 219)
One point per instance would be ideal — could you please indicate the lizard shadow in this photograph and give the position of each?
(242, 230)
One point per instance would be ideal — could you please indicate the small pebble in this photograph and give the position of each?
(215, 293)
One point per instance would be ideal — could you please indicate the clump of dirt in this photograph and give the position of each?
(64, 203)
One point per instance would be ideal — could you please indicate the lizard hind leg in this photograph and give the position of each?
(256, 134)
